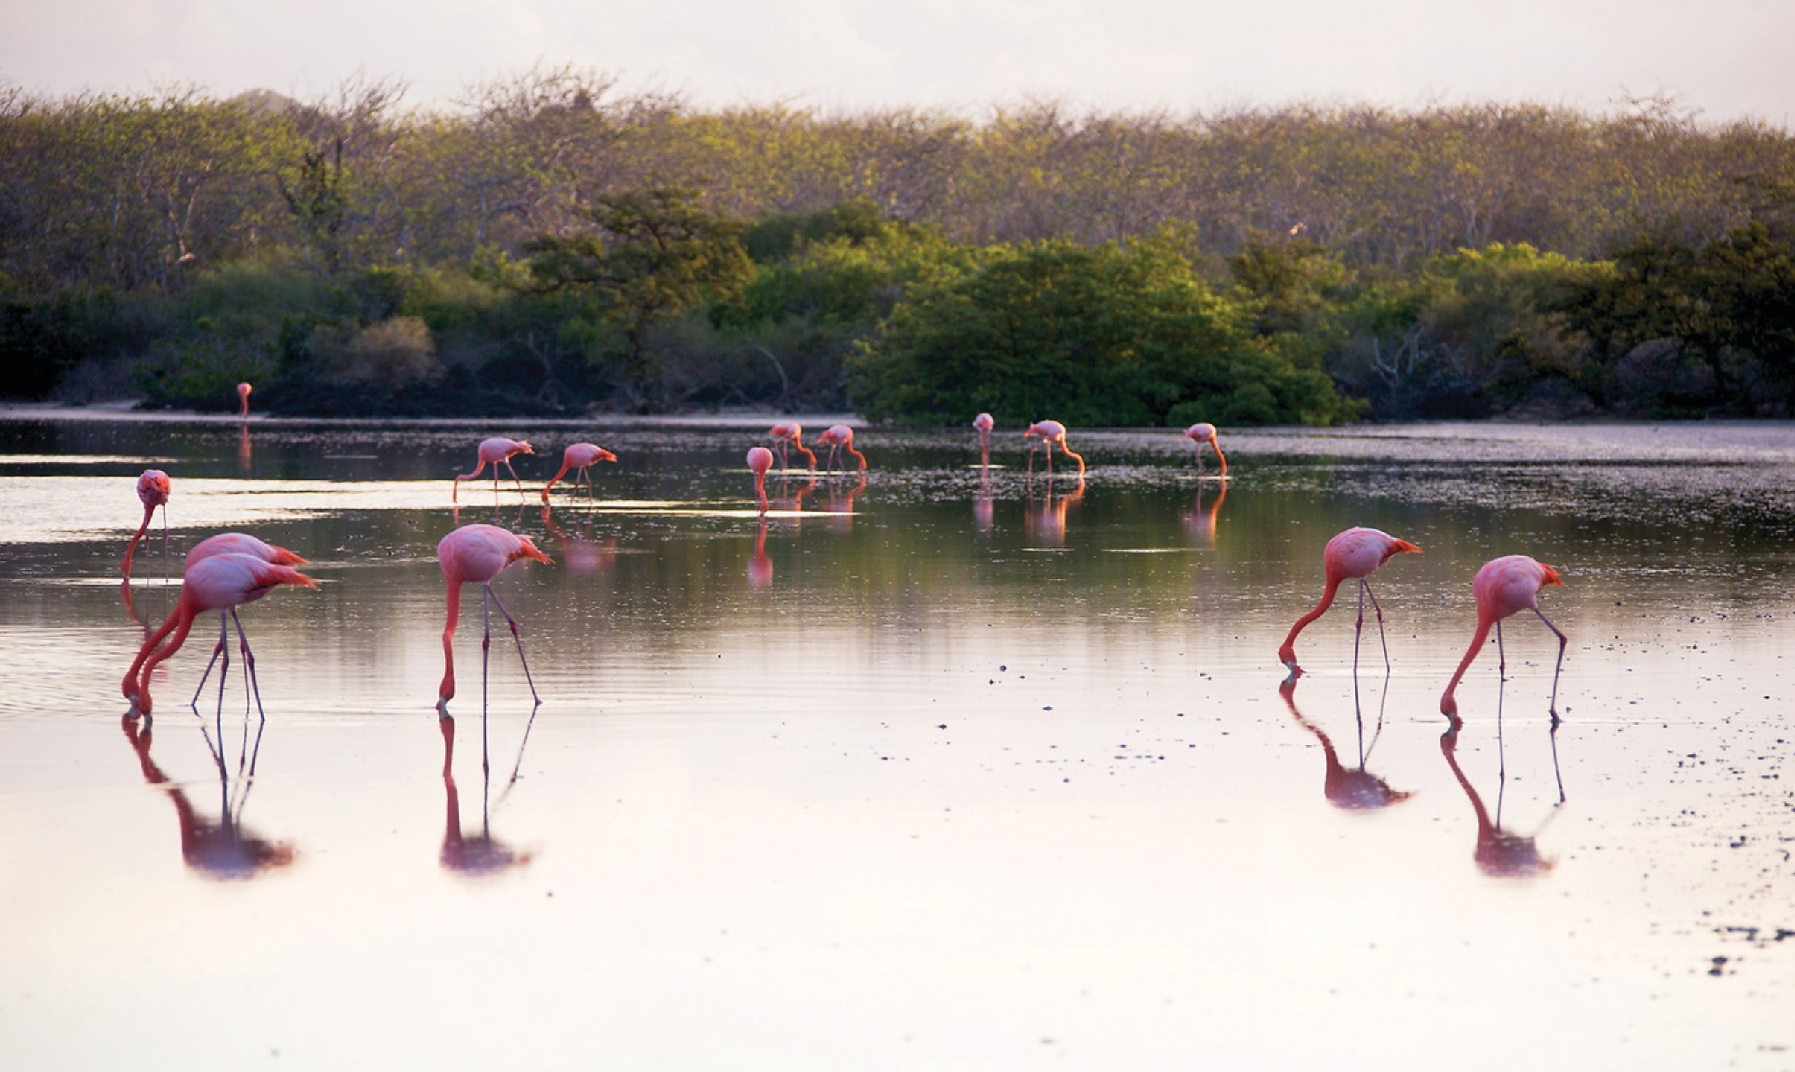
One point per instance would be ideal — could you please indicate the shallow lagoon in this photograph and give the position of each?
(939, 772)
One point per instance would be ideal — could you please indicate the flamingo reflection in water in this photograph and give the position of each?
(760, 567)
(1349, 788)
(1047, 521)
(1500, 852)
(226, 849)
(1200, 522)
(840, 505)
(580, 553)
(477, 854)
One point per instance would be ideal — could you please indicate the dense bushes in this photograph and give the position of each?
(558, 245)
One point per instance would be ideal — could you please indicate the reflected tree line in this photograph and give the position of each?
(553, 242)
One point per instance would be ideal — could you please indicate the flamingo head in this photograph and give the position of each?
(526, 548)
(152, 487)
(1398, 547)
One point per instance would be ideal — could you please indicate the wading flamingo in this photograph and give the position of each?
(839, 437)
(1199, 434)
(475, 554)
(221, 582)
(243, 390)
(789, 435)
(498, 451)
(760, 459)
(1352, 555)
(984, 422)
(1502, 587)
(235, 543)
(579, 457)
(1049, 433)
(152, 491)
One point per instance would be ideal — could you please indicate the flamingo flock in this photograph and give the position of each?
(229, 570)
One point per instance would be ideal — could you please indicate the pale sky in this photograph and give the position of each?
(1728, 59)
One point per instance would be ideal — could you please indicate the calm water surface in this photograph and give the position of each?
(938, 771)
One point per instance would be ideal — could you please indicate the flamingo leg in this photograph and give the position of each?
(1358, 628)
(1501, 656)
(485, 648)
(1380, 623)
(250, 685)
(513, 471)
(224, 626)
(1556, 670)
(516, 636)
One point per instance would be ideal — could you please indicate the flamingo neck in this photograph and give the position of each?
(1449, 705)
(760, 490)
(131, 548)
(1287, 653)
(446, 691)
(553, 480)
(861, 458)
(181, 621)
(1220, 457)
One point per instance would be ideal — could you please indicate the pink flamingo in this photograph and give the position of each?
(221, 582)
(1199, 434)
(839, 437)
(152, 491)
(235, 543)
(1502, 587)
(1050, 432)
(243, 390)
(580, 457)
(1353, 554)
(790, 434)
(476, 554)
(760, 459)
(498, 451)
(984, 423)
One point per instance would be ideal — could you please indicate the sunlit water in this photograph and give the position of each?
(947, 770)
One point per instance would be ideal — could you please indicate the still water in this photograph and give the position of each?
(946, 769)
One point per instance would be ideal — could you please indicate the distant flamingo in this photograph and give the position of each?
(1352, 555)
(152, 491)
(580, 457)
(984, 422)
(1050, 432)
(760, 459)
(243, 390)
(221, 582)
(1199, 434)
(839, 437)
(498, 451)
(1502, 587)
(476, 554)
(235, 543)
(790, 435)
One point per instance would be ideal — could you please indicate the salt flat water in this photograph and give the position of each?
(946, 768)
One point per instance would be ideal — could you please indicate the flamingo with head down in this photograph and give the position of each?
(475, 554)
(789, 435)
(1352, 555)
(984, 422)
(1502, 587)
(243, 390)
(1049, 433)
(222, 582)
(497, 450)
(760, 459)
(1199, 434)
(580, 457)
(152, 491)
(839, 437)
